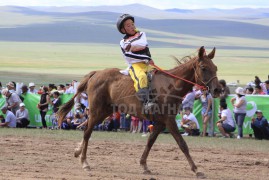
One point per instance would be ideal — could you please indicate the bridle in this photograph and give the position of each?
(197, 78)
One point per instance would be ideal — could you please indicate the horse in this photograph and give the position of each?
(109, 91)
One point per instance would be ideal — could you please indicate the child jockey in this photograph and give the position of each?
(135, 50)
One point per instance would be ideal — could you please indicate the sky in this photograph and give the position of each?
(160, 4)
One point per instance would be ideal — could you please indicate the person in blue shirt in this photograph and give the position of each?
(260, 126)
(10, 120)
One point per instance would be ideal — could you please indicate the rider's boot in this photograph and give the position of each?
(143, 95)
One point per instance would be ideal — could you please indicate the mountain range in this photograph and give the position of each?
(235, 28)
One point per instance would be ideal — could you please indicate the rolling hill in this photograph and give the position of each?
(171, 29)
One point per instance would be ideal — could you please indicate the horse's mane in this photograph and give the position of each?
(181, 61)
(184, 59)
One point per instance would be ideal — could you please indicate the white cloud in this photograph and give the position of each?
(161, 4)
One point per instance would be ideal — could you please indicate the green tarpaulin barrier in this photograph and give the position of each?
(254, 103)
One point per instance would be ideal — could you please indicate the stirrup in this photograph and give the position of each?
(148, 106)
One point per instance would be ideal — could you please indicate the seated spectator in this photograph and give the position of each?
(106, 125)
(67, 120)
(260, 126)
(10, 120)
(78, 119)
(249, 90)
(83, 125)
(226, 124)
(32, 89)
(190, 124)
(83, 100)
(258, 90)
(12, 100)
(78, 108)
(22, 116)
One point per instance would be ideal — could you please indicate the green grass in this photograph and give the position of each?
(126, 137)
(46, 63)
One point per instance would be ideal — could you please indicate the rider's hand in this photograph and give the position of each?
(151, 62)
(128, 47)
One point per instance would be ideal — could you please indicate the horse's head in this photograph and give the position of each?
(206, 71)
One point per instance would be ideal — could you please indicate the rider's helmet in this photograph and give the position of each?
(122, 19)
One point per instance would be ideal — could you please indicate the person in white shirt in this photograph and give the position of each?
(189, 123)
(12, 100)
(135, 50)
(71, 88)
(10, 120)
(22, 116)
(240, 104)
(32, 89)
(226, 124)
(11, 87)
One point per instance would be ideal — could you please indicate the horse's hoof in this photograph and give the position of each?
(147, 172)
(87, 168)
(200, 175)
(76, 154)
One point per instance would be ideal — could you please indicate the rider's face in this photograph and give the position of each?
(129, 27)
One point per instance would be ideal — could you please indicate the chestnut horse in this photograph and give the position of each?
(108, 91)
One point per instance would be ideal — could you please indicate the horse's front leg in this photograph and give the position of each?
(158, 127)
(173, 129)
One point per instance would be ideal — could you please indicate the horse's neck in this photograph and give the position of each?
(186, 73)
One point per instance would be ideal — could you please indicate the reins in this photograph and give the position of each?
(176, 77)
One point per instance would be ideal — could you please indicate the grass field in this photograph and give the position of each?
(46, 63)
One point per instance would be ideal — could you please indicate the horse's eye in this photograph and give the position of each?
(202, 67)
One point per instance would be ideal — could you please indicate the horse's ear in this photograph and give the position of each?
(212, 54)
(201, 52)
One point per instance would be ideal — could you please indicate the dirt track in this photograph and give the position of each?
(33, 158)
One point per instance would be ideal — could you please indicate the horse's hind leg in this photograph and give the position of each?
(172, 127)
(158, 127)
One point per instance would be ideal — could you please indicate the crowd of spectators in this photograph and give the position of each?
(15, 114)
(227, 123)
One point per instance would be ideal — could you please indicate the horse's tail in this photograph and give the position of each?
(66, 108)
